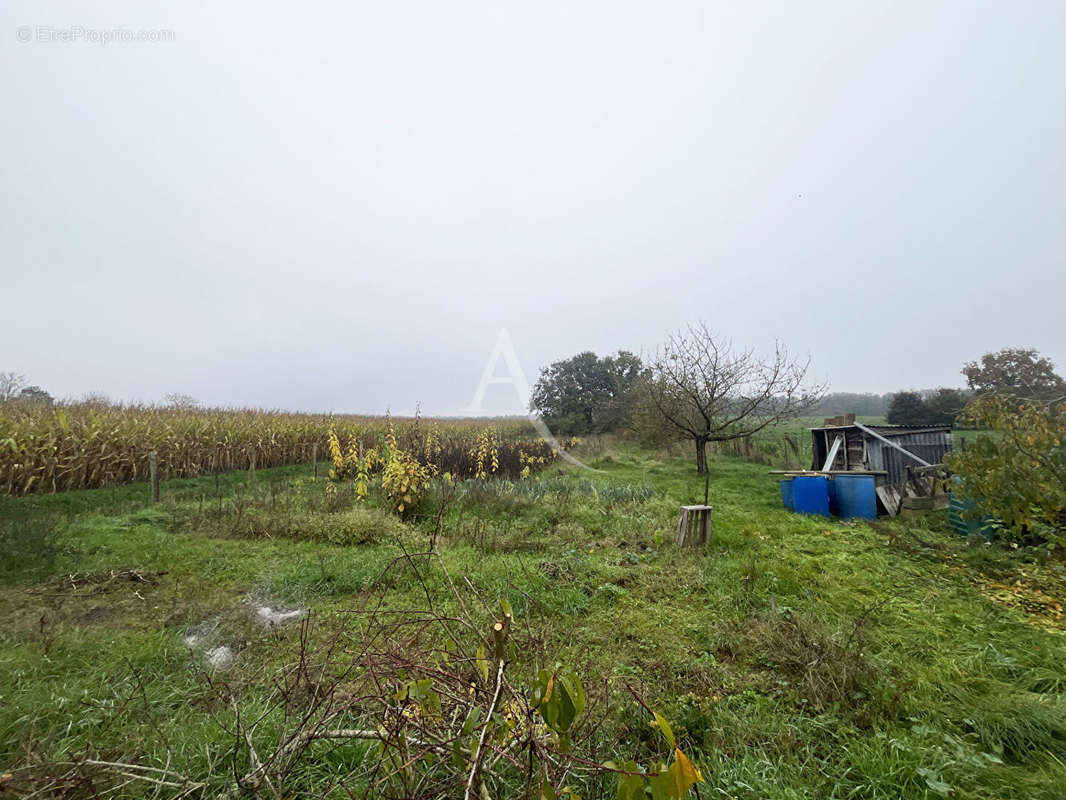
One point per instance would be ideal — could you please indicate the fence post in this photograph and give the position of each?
(314, 457)
(251, 464)
(153, 473)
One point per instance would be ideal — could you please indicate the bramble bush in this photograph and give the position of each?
(1016, 471)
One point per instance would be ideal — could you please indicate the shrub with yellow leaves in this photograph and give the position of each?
(486, 452)
(408, 460)
(336, 456)
(404, 479)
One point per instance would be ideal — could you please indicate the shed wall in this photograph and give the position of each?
(931, 446)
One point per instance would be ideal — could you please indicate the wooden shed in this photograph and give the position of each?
(887, 450)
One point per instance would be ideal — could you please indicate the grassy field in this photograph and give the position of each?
(795, 658)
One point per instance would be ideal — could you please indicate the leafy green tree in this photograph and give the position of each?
(907, 408)
(1016, 472)
(944, 406)
(1020, 373)
(35, 394)
(586, 393)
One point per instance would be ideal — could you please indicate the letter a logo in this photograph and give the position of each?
(515, 377)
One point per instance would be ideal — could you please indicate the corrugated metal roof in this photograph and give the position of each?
(887, 429)
(900, 430)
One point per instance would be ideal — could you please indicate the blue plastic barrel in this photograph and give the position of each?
(834, 507)
(786, 493)
(810, 495)
(856, 496)
(963, 516)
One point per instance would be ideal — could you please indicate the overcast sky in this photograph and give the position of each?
(338, 206)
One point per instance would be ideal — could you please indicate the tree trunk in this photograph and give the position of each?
(701, 456)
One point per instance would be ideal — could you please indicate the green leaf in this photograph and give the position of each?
(547, 791)
(567, 710)
(472, 719)
(661, 787)
(630, 787)
(934, 783)
(576, 692)
(664, 728)
(458, 761)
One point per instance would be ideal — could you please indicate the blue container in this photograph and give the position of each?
(856, 496)
(963, 516)
(810, 495)
(786, 493)
(834, 508)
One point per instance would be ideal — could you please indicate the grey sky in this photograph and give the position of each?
(338, 206)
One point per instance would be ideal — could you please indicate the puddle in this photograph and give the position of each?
(199, 634)
(208, 636)
(219, 657)
(272, 616)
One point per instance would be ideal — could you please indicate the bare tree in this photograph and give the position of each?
(95, 399)
(11, 384)
(702, 390)
(184, 402)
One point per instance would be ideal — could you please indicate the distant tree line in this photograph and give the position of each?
(865, 404)
(938, 407)
(14, 389)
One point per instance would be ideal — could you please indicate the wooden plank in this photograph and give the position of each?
(890, 497)
(829, 459)
(682, 526)
(153, 473)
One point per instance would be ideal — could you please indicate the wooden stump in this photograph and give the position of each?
(694, 525)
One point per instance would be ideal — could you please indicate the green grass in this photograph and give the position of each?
(796, 658)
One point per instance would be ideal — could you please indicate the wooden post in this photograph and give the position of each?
(153, 474)
(251, 464)
(314, 457)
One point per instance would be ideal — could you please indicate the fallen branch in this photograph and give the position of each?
(499, 635)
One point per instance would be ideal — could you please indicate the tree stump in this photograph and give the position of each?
(694, 525)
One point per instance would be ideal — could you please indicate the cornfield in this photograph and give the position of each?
(87, 446)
